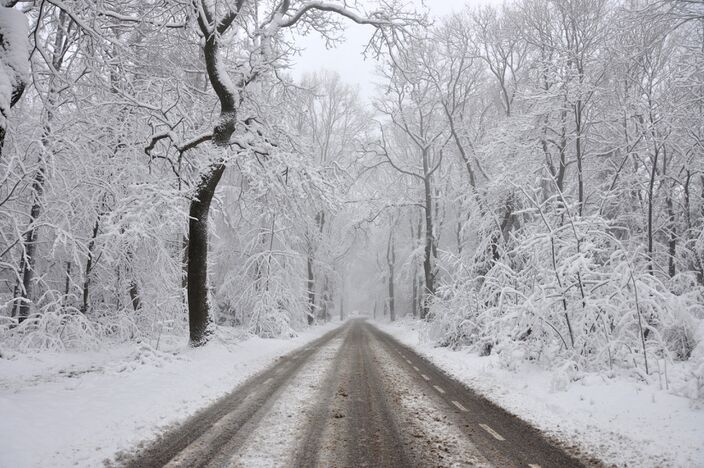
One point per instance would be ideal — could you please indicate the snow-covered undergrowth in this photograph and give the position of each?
(612, 416)
(570, 323)
(570, 295)
(63, 331)
(76, 408)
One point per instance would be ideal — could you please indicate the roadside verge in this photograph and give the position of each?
(79, 409)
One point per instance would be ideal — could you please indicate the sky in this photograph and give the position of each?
(347, 58)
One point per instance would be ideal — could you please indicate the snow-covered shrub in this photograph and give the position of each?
(52, 331)
(57, 326)
(146, 355)
(563, 375)
(263, 297)
(571, 296)
(691, 383)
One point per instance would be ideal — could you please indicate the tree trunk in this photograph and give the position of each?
(134, 296)
(560, 180)
(671, 227)
(30, 246)
(391, 260)
(578, 153)
(30, 243)
(325, 300)
(184, 266)
(67, 286)
(672, 241)
(414, 276)
(229, 97)
(311, 289)
(418, 306)
(89, 266)
(198, 311)
(651, 195)
(427, 261)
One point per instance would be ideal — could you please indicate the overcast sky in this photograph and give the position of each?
(347, 57)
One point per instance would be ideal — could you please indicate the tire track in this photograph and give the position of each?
(210, 429)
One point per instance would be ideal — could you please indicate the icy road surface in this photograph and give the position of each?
(355, 397)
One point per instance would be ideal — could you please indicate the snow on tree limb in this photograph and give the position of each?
(14, 60)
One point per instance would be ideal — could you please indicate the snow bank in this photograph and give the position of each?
(617, 419)
(77, 409)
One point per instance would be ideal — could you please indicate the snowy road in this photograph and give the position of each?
(354, 397)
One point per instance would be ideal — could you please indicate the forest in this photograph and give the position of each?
(527, 180)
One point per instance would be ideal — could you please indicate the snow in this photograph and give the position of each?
(617, 420)
(288, 416)
(80, 409)
(14, 56)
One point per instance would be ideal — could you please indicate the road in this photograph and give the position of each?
(353, 398)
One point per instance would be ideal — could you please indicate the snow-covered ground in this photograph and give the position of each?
(79, 409)
(618, 420)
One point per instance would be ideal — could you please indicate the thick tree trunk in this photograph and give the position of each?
(229, 97)
(198, 311)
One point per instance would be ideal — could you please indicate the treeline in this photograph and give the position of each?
(550, 161)
(529, 179)
(118, 218)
